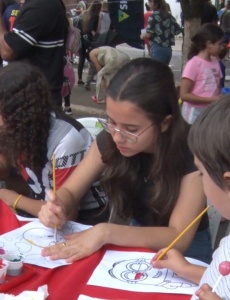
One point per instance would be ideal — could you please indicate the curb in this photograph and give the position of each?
(89, 110)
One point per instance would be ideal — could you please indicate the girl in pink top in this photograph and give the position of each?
(201, 77)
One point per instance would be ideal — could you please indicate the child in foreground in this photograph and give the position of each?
(210, 142)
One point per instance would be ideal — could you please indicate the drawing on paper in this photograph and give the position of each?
(126, 271)
(29, 240)
(118, 269)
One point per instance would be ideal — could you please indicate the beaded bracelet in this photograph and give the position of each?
(16, 201)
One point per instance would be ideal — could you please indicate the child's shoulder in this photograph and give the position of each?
(223, 251)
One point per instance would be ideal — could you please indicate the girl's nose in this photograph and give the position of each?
(117, 137)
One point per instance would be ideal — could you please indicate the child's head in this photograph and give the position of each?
(208, 34)
(23, 90)
(209, 140)
(147, 7)
(104, 6)
(25, 106)
(161, 6)
(142, 93)
(150, 86)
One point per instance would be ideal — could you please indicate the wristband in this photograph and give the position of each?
(16, 201)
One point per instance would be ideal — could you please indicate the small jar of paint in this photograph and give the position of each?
(3, 270)
(15, 263)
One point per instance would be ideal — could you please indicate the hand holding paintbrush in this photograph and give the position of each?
(53, 212)
(163, 252)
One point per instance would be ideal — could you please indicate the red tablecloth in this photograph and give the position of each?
(68, 282)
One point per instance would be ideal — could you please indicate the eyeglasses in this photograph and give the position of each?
(126, 135)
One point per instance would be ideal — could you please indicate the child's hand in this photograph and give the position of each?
(53, 212)
(143, 36)
(205, 293)
(172, 260)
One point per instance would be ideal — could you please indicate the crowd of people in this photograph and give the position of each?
(149, 172)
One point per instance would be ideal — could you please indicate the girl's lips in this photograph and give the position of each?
(122, 149)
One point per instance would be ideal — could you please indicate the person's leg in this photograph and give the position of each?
(57, 99)
(82, 57)
(67, 100)
(91, 73)
(67, 107)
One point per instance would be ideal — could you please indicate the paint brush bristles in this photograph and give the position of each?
(54, 190)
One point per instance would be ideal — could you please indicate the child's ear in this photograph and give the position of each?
(227, 178)
(166, 123)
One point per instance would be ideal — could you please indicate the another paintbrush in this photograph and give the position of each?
(139, 274)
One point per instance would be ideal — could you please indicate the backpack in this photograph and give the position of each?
(73, 41)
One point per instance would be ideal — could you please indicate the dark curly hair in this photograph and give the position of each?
(25, 106)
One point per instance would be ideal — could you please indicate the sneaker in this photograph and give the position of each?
(93, 81)
(87, 87)
(80, 82)
(68, 110)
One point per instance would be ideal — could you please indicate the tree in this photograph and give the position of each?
(191, 10)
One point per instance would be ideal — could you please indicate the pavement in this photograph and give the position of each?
(83, 106)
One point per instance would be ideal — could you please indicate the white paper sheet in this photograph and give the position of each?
(31, 238)
(117, 270)
(20, 218)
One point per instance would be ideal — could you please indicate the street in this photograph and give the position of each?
(81, 102)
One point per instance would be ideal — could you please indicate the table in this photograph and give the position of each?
(68, 282)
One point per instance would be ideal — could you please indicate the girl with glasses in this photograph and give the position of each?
(144, 164)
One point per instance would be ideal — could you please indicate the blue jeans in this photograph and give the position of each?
(160, 53)
(201, 247)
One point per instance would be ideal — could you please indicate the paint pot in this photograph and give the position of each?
(15, 263)
(3, 270)
(2, 252)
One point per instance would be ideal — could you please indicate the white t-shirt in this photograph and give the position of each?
(68, 141)
(212, 272)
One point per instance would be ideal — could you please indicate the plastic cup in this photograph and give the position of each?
(3, 270)
(15, 263)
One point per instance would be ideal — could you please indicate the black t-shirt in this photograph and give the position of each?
(142, 213)
(39, 35)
